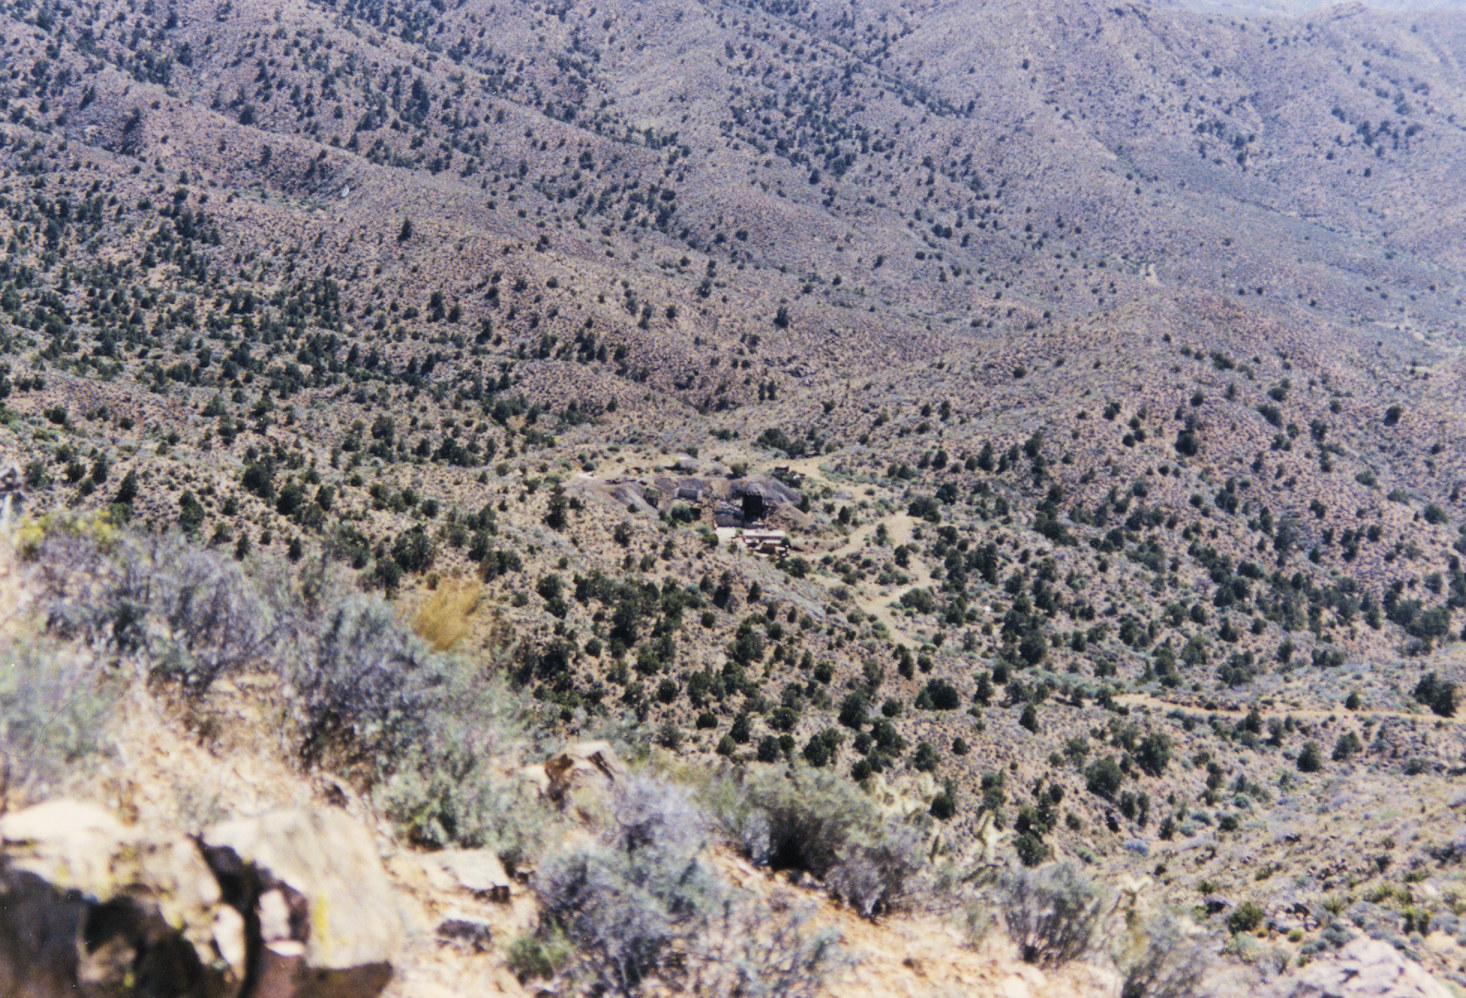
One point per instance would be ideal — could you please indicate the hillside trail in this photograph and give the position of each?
(1302, 713)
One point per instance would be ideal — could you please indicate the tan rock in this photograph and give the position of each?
(65, 842)
(583, 764)
(330, 923)
(478, 871)
(229, 936)
(87, 902)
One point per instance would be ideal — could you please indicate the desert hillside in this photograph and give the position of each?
(1033, 430)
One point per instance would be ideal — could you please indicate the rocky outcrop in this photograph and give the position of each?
(583, 764)
(327, 921)
(289, 904)
(1365, 968)
(91, 907)
(772, 491)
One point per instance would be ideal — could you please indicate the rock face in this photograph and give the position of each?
(328, 921)
(90, 907)
(1365, 968)
(289, 904)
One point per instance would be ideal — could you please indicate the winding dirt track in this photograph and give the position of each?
(1304, 713)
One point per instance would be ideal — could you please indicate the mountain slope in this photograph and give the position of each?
(1104, 363)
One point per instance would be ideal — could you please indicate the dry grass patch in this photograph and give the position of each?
(445, 615)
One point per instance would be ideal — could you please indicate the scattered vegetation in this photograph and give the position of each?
(1092, 535)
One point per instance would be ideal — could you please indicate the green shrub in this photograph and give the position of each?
(1347, 746)
(1171, 963)
(539, 955)
(366, 684)
(624, 901)
(640, 905)
(1031, 849)
(190, 615)
(1103, 777)
(1437, 694)
(938, 694)
(1154, 753)
(796, 817)
(1246, 917)
(442, 791)
(437, 802)
(1051, 913)
(1029, 718)
(920, 600)
(357, 685)
(822, 748)
(54, 711)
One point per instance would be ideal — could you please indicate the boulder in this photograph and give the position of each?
(477, 871)
(329, 922)
(583, 764)
(1365, 968)
(91, 907)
